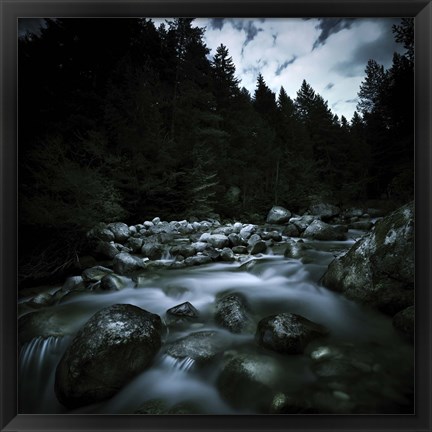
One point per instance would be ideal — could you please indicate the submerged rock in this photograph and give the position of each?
(200, 346)
(379, 268)
(248, 380)
(233, 313)
(287, 333)
(295, 250)
(114, 346)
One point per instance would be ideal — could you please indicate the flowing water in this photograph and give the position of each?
(274, 284)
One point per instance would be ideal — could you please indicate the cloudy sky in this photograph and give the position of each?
(329, 53)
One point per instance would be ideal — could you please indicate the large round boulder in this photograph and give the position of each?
(278, 215)
(232, 313)
(379, 268)
(218, 240)
(287, 333)
(115, 345)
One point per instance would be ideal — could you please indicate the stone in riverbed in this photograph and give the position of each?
(319, 230)
(120, 230)
(182, 312)
(218, 240)
(258, 247)
(152, 250)
(379, 268)
(107, 250)
(324, 210)
(247, 381)
(113, 282)
(95, 274)
(227, 255)
(301, 222)
(101, 232)
(202, 346)
(115, 345)
(295, 250)
(232, 313)
(278, 215)
(197, 260)
(125, 263)
(287, 333)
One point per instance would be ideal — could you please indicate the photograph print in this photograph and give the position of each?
(216, 216)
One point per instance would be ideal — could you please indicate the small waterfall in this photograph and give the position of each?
(37, 365)
(166, 255)
(185, 364)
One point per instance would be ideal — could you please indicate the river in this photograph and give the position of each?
(364, 339)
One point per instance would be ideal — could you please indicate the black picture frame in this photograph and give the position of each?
(11, 10)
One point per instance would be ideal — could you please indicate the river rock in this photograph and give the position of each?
(247, 231)
(218, 240)
(258, 247)
(95, 274)
(152, 251)
(125, 263)
(237, 227)
(278, 215)
(41, 300)
(113, 282)
(225, 230)
(362, 225)
(379, 268)
(232, 313)
(197, 260)
(291, 230)
(107, 250)
(302, 222)
(240, 249)
(115, 345)
(324, 210)
(248, 380)
(404, 321)
(295, 250)
(120, 230)
(287, 333)
(236, 240)
(319, 230)
(134, 244)
(182, 312)
(202, 346)
(185, 250)
(43, 323)
(101, 232)
(227, 255)
(73, 283)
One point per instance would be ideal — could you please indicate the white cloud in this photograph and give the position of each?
(340, 60)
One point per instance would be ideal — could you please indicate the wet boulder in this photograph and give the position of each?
(247, 381)
(218, 240)
(120, 230)
(43, 323)
(115, 345)
(302, 222)
(201, 347)
(240, 249)
(319, 230)
(232, 313)
(258, 247)
(101, 232)
(73, 283)
(113, 282)
(379, 268)
(182, 313)
(185, 250)
(95, 274)
(125, 263)
(198, 260)
(295, 250)
(134, 244)
(247, 231)
(106, 249)
(227, 255)
(152, 250)
(278, 215)
(287, 333)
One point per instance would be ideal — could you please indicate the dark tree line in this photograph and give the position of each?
(120, 120)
